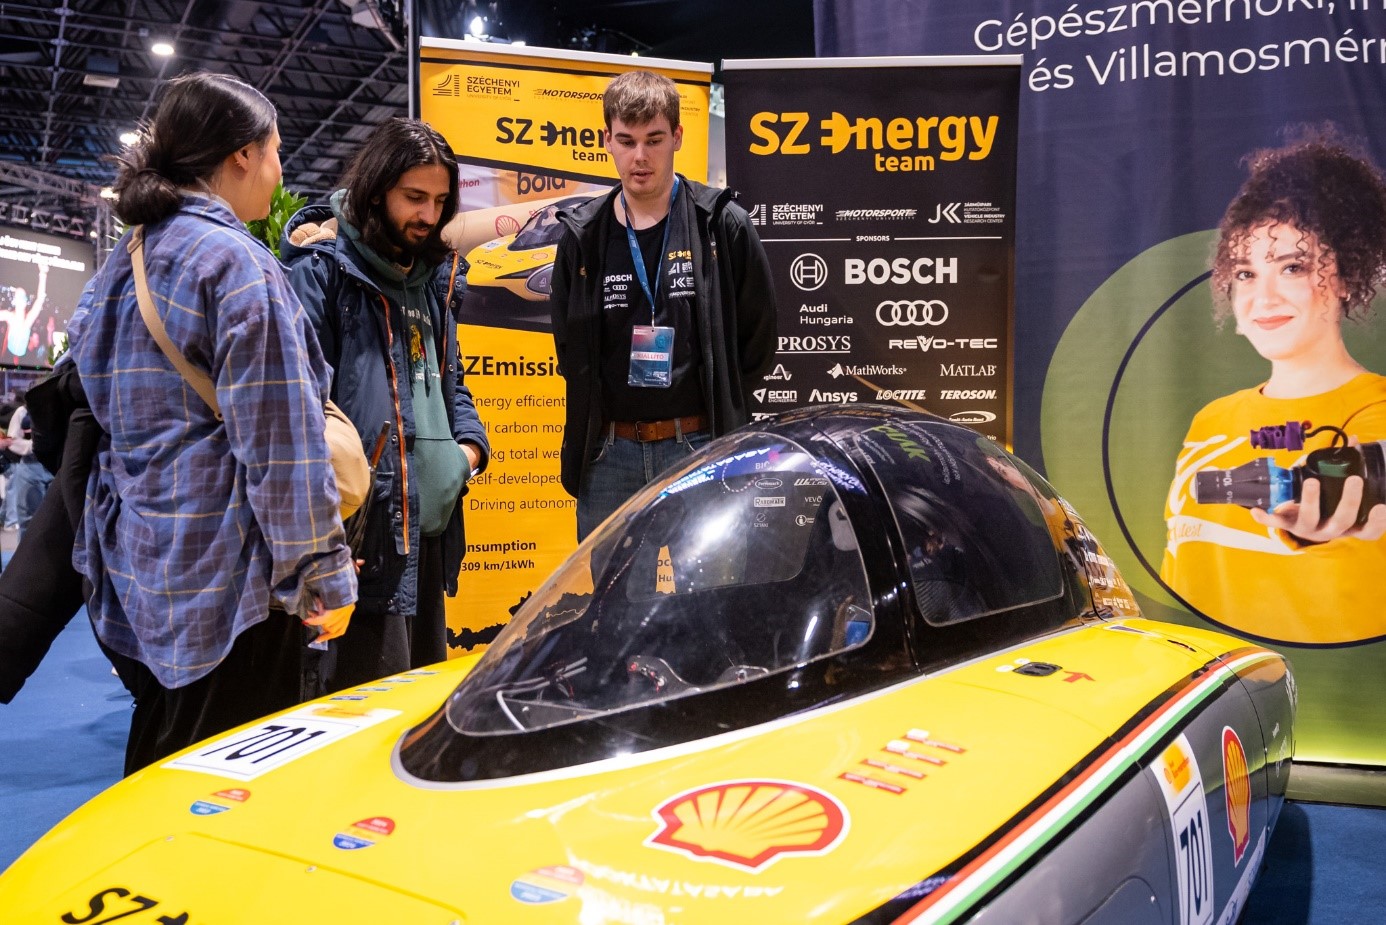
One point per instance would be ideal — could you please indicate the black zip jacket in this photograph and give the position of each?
(736, 330)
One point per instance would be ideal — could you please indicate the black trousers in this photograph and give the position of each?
(377, 644)
(261, 674)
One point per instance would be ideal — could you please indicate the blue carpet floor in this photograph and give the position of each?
(63, 740)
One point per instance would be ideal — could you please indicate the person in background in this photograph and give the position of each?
(382, 290)
(206, 541)
(663, 309)
(1302, 250)
(28, 479)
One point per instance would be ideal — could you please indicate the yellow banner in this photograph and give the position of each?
(526, 126)
(526, 108)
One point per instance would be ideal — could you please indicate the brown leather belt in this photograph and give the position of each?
(648, 431)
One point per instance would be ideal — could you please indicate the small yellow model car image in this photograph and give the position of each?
(510, 277)
(852, 664)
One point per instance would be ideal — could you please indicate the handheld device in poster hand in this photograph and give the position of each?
(1263, 484)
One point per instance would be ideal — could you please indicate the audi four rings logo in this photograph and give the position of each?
(808, 272)
(905, 312)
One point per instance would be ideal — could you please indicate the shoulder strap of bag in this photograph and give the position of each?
(200, 381)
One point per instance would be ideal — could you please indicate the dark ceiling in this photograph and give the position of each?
(75, 74)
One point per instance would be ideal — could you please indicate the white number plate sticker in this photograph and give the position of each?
(248, 753)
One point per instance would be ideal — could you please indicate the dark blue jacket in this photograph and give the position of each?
(362, 334)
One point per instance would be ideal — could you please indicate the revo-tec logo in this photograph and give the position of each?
(943, 343)
(911, 312)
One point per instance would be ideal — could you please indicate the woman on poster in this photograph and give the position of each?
(1302, 248)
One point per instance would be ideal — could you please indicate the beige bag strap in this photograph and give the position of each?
(200, 381)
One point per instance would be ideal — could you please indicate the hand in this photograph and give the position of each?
(332, 623)
(1301, 518)
(473, 456)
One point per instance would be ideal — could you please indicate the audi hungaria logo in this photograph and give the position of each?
(808, 272)
(911, 312)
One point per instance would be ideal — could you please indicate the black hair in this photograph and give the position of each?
(1321, 183)
(393, 148)
(200, 120)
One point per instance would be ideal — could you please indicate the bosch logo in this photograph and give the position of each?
(924, 270)
(904, 312)
(808, 272)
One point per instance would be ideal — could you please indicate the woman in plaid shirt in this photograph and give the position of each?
(206, 541)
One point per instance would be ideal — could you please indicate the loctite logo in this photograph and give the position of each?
(900, 395)
(967, 394)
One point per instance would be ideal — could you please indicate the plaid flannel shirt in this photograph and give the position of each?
(193, 526)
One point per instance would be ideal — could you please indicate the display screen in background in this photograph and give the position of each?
(41, 279)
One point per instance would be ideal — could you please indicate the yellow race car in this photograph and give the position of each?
(849, 665)
(510, 277)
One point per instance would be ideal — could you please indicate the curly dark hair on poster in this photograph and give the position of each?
(394, 147)
(1321, 183)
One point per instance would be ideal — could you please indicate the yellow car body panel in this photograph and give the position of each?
(891, 786)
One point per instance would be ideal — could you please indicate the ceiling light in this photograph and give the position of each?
(477, 26)
(107, 193)
(162, 49)
(129, 138)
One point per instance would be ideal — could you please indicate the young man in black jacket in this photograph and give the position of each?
(663, 309)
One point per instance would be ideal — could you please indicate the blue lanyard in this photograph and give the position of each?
(639, 258)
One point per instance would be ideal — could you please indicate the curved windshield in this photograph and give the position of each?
(742, 564)
(543, 228)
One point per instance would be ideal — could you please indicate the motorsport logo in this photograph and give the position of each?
(944, 343)
(838, 370)
(776, 397)
(932, 138)
(967, 394)
(876, 215)
(788, 213)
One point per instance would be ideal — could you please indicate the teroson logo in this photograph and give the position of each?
(750, 824)
(951, 138)
(905, 312)
(808, 272)
(972, 417)
(967, 394)
(1238, 793)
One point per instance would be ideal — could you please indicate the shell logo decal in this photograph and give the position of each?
(749, 824)
(1238, 792)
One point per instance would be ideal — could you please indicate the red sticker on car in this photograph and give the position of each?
(1238, 792)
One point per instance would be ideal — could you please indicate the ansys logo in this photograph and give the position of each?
(450, 85)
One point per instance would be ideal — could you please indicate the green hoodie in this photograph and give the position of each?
(439, 468)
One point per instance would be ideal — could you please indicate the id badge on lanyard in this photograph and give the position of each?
(651, 345)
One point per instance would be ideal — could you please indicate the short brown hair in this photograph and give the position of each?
(638, 97)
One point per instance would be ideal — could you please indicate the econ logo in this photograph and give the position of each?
(749, 824)
(1238, 792)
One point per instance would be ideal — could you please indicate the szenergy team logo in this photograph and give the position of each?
(749, 824)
